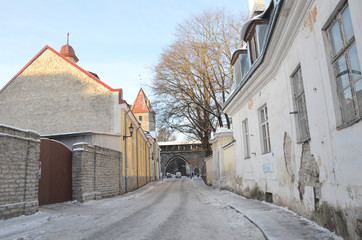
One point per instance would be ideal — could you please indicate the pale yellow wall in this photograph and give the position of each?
(148, 121)
(224, 160)
(138, 143)
(52, 96)
(229, 165)
(209, 170)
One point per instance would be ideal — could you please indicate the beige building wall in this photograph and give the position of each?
(139, 167)
(148, 122)
(223, 159)
(53, 96)
(229, 166)
(209, 170)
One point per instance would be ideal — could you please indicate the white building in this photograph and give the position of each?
(296, 106)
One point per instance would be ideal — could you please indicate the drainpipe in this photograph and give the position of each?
(149, 164)
(139, 126)
(125, 148)
(146, 159)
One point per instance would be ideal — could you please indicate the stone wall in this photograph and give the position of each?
(51, 83)
(97, 172)
(19, 158)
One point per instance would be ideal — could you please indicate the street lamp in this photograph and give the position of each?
(130, 132)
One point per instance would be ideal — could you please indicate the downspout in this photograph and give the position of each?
(149, 161)
(125, 149)
(139, 126)
(146, 159)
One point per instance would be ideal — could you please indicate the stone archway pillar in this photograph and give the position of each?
(221, 138)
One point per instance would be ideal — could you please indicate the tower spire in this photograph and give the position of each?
(68, 52)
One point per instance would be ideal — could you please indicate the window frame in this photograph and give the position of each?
(254, 53)
(252, 39)
(297, 98)
(334, 58)
(246, 138)
(265, 140)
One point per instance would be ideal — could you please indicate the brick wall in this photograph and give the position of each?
(97, 172)
(19, 158)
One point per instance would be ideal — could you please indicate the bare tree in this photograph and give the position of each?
(165, 134)
(194, 75)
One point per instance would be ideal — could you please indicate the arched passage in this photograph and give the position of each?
(177, 164)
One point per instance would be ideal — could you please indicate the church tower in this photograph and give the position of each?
(144, 113)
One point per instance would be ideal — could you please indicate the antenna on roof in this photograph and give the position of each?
(140, 80)
(68, 38)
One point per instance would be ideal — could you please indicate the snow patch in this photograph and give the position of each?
(78, 149)
(80, 143)
(19, 137)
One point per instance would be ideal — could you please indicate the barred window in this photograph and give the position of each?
(300, 106)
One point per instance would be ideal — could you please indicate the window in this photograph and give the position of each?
(253, 49)
(246, 139)
(240, 63)
(256, 38)
(300, 106)
(140, 118)
(346, 66)
(264, 128)
(237, 72)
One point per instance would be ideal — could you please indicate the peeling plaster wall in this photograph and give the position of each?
(320, 179)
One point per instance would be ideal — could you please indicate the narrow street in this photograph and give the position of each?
(172, 209)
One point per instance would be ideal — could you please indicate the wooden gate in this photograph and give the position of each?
(55, 183)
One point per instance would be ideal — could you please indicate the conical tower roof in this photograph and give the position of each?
(141, 103)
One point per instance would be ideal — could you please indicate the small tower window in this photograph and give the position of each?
(140, 118)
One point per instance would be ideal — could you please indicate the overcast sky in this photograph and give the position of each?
(118, 40)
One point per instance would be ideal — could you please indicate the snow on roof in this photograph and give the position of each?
(153, 134)
(263, 16)
(223, 130)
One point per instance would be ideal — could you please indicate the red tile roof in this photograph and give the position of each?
(141, 103)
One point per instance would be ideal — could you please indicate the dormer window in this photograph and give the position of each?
(240, 63)
(256, 38)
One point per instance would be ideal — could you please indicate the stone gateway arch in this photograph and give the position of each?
(181, 157)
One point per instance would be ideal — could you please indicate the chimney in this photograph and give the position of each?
(256, 7)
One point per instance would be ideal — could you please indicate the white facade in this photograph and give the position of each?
(319, 176)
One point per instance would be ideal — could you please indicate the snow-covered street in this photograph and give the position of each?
(172, 209)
